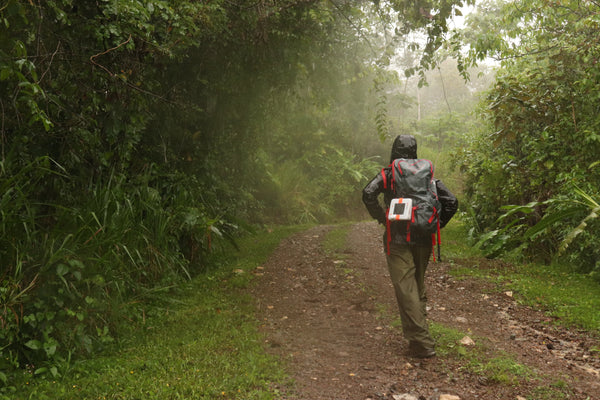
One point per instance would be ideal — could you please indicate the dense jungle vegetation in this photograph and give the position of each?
(139, 138)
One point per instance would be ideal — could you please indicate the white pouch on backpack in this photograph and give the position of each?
(400, 209)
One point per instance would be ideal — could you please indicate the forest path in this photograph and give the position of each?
(330, 318)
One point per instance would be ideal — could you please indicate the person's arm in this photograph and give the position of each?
(370, 196)
(449, 203)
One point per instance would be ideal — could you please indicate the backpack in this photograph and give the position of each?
(412, 179)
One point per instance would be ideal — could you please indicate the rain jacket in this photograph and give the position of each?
(405, 146)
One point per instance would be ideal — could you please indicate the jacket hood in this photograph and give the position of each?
(405, 146)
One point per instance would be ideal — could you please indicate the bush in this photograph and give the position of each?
(71, 275)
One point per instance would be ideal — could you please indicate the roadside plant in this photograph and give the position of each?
(571, 222)
(528, 179)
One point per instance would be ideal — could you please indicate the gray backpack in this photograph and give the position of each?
(412, 179)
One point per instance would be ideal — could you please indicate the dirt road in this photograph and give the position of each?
(332, 319)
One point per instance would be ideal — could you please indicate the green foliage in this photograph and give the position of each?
(454, 239)
(430, 18)
(572, 299)
(193, 343)
(319, 187)
(138, 136)
(65, 288)
(540, 139)
(92, 225)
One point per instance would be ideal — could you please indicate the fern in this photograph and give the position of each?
(572, 210)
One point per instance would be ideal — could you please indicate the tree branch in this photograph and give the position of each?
(51, 59)
(92, 58)
(360, 32)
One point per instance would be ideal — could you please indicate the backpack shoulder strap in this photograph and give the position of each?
(385, 179)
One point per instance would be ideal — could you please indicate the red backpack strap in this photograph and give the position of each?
(389, 233)
(439, 240)
(394, 173)
(388, 223)
(409, 222)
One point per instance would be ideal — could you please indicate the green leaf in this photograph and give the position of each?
(216, 230)
(34, 344)
(61, 269)
(550, 219)
(526, 209)
(5, 73)
(50, 350)
(590, 201)
(579, 229)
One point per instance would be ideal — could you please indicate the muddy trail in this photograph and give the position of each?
(332, 320)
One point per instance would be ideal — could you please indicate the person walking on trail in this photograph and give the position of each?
(408, 250)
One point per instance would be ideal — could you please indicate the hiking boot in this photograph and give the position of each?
(428, 353)
(418, 351)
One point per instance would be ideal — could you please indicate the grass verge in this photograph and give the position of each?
(201, 342)
(572, 299)
(491, 366)
(479, 358)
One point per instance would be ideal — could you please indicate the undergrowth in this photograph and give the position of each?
(70, 273)
(572, 298)
(199, 341)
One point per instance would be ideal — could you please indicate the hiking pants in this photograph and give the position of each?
(407, 265)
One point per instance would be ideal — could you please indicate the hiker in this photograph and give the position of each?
(407, 251)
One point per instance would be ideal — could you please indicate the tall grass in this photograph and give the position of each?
(74, 268)
(198, 341)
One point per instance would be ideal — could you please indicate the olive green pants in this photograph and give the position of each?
(407, 266)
